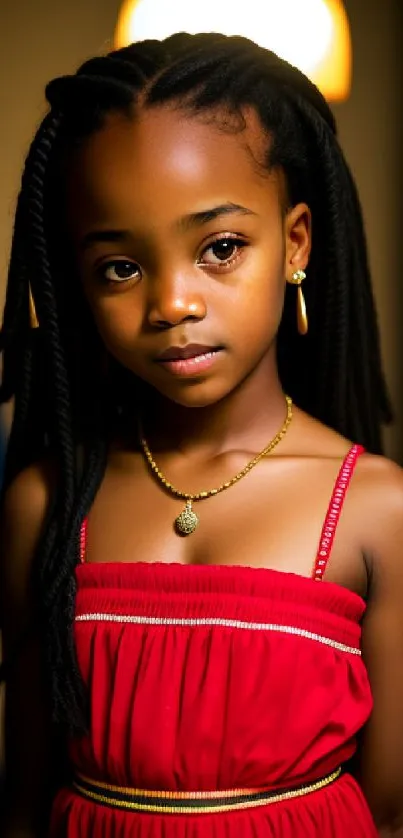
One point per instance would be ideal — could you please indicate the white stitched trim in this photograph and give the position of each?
(213, 621)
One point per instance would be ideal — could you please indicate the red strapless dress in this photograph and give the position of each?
(225, 680)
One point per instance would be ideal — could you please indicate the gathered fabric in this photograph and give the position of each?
(212, 681)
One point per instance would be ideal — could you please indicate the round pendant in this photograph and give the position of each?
(187, 521)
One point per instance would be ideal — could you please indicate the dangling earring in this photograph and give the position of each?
(33, 318)
(302, 317)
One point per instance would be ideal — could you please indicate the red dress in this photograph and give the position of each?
(205, 679)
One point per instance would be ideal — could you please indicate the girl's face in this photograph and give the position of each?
(183, 244)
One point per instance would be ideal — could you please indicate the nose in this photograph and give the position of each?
(174, 299)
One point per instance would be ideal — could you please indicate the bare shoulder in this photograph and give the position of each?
(23, 515)
(316, 440)
(374, 473)
(375, 497)
(26, 503)
(378, 487)
(29, 493)
(379, 474)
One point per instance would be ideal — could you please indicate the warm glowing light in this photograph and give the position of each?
(314, 35)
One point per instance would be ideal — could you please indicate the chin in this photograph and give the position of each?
(195, 394)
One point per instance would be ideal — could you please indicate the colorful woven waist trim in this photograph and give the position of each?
(179, 802)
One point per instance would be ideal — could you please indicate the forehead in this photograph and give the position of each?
(165, 160)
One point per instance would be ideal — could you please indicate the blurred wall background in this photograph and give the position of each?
(44, 38)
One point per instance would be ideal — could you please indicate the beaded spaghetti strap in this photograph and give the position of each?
(334, 511)
(83, 540)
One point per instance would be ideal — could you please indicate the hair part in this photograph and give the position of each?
(63, 402)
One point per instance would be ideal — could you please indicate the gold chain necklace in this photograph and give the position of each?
(187, 521)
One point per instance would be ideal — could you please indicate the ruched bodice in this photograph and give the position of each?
(218, 678)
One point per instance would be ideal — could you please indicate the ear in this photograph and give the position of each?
(298, 239)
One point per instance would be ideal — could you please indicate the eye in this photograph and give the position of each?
(224, 251)
(120, 270)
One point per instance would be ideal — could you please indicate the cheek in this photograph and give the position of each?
(261, 315)
(118, 320)
(261, 293)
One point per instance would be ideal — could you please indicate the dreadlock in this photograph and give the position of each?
(62, 401)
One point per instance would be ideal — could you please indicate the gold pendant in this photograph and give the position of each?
(187, 521)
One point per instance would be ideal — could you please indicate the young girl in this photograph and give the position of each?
(201, 577)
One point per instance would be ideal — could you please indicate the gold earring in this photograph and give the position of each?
(33, 318)
(302, 317)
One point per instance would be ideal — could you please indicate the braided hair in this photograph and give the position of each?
(62, 398)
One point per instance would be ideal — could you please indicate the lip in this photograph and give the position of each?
(192, 365)
(182, 353)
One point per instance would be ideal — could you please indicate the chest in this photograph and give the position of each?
(271, 518)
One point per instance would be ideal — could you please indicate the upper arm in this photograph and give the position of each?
(27, 736)
(381, 752)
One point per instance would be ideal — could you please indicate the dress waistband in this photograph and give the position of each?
(193, 802)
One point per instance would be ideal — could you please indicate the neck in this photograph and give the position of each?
(246, 419)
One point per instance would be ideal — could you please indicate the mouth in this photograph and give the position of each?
(189, 360)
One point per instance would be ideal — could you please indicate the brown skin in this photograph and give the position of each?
(143, 176)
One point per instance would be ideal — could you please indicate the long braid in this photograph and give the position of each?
(330, 289)
(34, 187)
(17, 342)
(334, 372)
(31, 265)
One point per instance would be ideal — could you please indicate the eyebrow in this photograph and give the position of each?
(102, 236)
(187, 222)
(196, 219)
